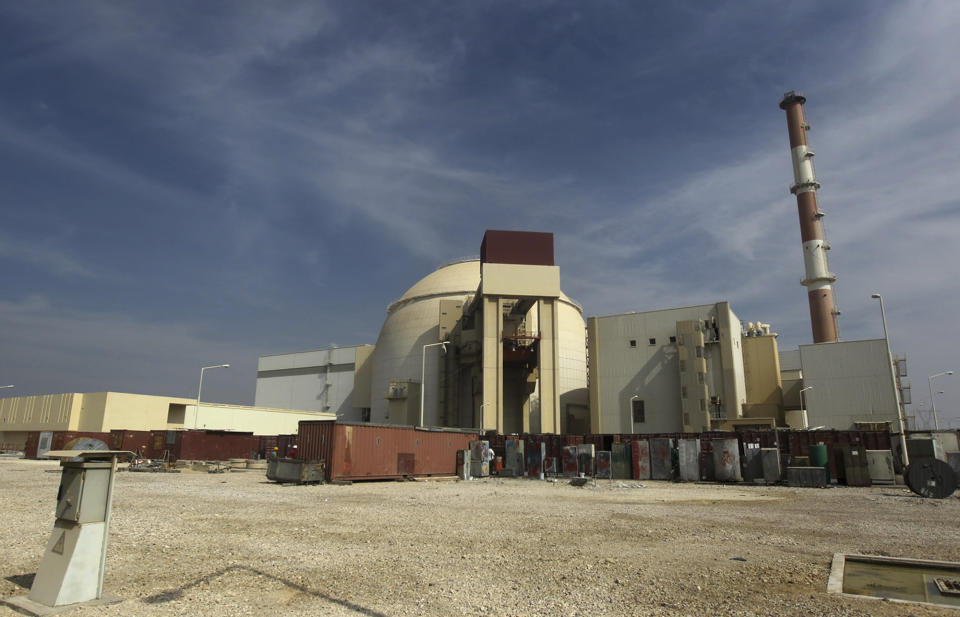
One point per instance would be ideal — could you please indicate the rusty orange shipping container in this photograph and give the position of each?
(377, 452)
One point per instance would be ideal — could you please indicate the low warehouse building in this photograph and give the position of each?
(107, 411)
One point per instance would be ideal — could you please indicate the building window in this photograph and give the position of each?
(703, 405)
(639, 414)
(683, 392)
(653, 341)
(699, 351)
(673, 339)
(683, 365)
(176, 413)
(364, 414)
(699, 376)
(633, 342)
(679, 339)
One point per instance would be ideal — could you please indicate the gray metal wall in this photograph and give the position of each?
(851, 382)
(320, 380)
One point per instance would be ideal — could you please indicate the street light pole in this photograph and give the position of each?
(196, 414)
(893, 380)
(633, 423)
(933, 403)
(423, 370)
(803, 407)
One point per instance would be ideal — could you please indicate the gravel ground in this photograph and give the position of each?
(234, 544)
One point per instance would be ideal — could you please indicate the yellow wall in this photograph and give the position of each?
(139, 412)
(362, 376)
(515, 280)
(47, 412)
(93, 407)
(13, 440)
(761, 367)
(106, 411)
(252, 419)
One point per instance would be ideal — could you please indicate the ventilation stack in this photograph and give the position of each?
(818, 280)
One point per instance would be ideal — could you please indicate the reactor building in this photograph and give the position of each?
(491, 344)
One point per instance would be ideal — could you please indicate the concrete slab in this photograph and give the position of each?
(689, 459)
(726, 460)
(770, 457)
(26, 606)
(661, 459)
(810, 477)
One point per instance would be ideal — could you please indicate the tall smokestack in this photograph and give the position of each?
(818, 279)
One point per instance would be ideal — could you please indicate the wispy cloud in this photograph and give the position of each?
(44, 256)
(262, 159)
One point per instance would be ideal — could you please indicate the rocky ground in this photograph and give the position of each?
(233, 544)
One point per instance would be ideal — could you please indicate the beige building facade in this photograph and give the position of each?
(491, 344)
(106, 411)
(669, 370)
(762, 377)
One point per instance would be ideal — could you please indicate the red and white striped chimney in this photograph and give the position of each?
(818, 280)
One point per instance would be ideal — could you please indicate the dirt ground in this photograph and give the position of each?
(234, 544)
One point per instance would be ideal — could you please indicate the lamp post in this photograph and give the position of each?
(423, 370)
(479, 423)
(2, 387)
(893, 381)
(633, 419)
(196, 414)
(933, 403)
(803, 407)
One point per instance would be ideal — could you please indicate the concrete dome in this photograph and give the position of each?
(412, 323)
(460, 278)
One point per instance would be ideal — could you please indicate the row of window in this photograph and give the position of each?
(653, 341)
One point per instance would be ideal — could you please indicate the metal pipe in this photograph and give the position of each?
(817, 276)
(893, 378)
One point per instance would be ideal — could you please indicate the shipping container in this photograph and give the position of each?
(213, 445)
(375, 451)
(66, 440)
(131, 441)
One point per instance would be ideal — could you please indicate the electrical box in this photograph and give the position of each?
(72, 568)
(83, 492)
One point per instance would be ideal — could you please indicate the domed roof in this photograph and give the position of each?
(457, 278)
(453, 278)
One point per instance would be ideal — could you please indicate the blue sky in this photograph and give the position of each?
(187, 184)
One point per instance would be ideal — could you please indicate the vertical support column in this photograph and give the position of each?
(492, 419)
(731, 354)
(548, 360)
(593, 353)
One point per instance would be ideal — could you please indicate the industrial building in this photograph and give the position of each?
(831, 383)
(491, 344)
(334, 380)
(685, 369)
(107, 411)
(845, 384)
